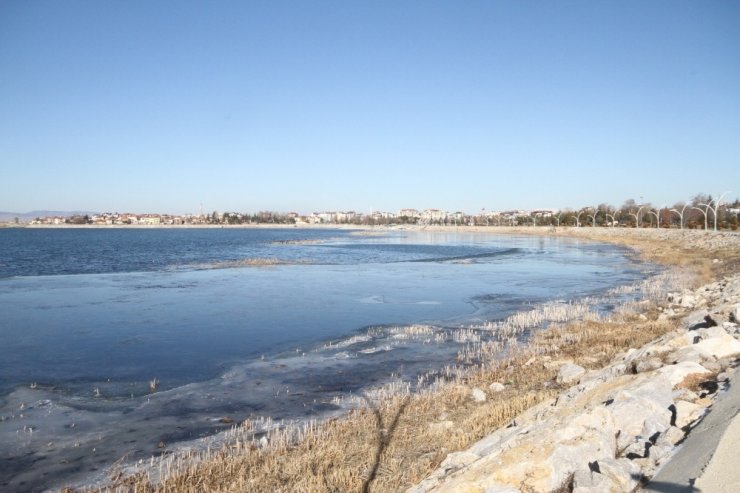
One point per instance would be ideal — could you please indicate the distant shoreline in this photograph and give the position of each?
(578, 231)
(191, 226)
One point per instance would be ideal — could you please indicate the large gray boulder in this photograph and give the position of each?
(647, 364)
(550, 444)
(678, 372)
(719, 347)
(570, 373)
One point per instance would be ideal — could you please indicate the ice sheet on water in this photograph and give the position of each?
(70, 436)
(380, 299)
(67, 434)
(351, 341)
(378, 349)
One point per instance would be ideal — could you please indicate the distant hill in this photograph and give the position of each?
(25, 217)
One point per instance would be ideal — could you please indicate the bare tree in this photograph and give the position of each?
(629, 204)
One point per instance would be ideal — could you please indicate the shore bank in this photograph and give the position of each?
(613, 430)
(399, 439)
(617, 426)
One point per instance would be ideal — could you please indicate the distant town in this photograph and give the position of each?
(701, 212)
(404, 216)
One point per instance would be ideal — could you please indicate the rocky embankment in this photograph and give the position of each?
(616, 426)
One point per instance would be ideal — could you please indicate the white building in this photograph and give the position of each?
(409, 213)
(433, 215)
(345, 217)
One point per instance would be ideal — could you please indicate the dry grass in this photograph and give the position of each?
(684, 252)
(395, 441)
(693, 381)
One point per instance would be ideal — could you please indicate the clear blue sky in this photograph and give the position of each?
(313, 105)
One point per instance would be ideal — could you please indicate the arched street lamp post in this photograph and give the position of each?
(611, 223)
(657, 216)
(715, 209)
(637, 216)
(680, 214)
(593, 217)
(703, 211)
(578, 219)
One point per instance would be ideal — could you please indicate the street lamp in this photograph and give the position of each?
(593, 217)
(680, 214)
(657, 217)
(613, 219)
(703, 211)
(715, 210)
(578, 219)
(637, 216)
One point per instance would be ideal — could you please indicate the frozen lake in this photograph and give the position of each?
(238, 323)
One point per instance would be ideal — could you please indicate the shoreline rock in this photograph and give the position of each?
(615, 427)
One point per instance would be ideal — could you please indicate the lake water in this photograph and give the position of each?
(239, 323)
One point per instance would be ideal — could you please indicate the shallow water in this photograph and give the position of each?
(91, 316)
